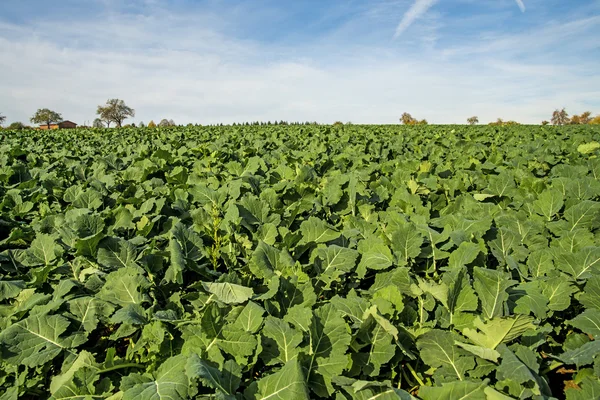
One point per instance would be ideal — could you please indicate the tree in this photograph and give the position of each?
(16, 126)
(163, 123)
(2, 119)
(116, 111)
(575, 120)
(473, 120)
(151, 124)
(407, 119)
(595, 120)
(98, 123)
(544, 123)
(586, 117)
(560, 117)
(142, 125)
(44, 116)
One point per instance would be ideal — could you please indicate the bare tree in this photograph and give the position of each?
(473, 120)
(585, 117)
(560, 117)
(46, 117)
(116, 111)
(164, 122)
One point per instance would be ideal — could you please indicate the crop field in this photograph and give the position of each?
(300, 262)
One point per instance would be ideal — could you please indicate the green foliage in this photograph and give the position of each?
(297, 262)
(44, 116)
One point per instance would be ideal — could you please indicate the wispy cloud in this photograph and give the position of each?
(521, 5)
(198, 65)
(418, 8)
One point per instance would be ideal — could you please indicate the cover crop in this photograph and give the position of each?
(353, 262)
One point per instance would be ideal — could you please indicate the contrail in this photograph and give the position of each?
(419, 8)
(521, 5)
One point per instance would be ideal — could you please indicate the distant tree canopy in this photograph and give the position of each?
(151, 124)
(473, 120)
(16, 126)
(2, 119)
(141, 124)
(501, 122)
(116, 111)
(583, 119)
(407, 119)
(47, 117)
(166, 122)
(544, 123)
(560, 117)
(98, 123)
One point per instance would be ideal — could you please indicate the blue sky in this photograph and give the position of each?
(360, 61)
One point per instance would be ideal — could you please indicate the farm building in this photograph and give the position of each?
(60, 125)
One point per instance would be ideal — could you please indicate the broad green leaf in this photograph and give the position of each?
(250, 318)
(580, 265)
(590, 297)
(406, 242)
(492, 333)
(352, 306)
(169, 382)
(62, 385)
(88, 310)
(549, 203)
(38, 339)
(558, 291)
(466, 253)
(10, 289)
(588, 388)
(513, 369)
(588, 322)
(124, 286)
(317, 231)
(437, 349)
(583, 215)
(587, 148)
(238, 343)
(329, 339)
(282, 343)
(375, 254)
(490, 286)
(225, 381)
(455, 390)
(116, 253)
(286, 384)
(174, 273)
(381, 348)
(335, 261)
(229, 293)
(43, 250)
(583, 355)
(89, 199)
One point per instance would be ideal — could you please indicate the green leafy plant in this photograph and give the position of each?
(297, 262)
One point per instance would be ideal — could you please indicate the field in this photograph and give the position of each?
(345, 262)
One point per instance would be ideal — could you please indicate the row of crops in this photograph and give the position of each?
(351, 262)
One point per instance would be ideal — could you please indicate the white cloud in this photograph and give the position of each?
(419, 8)
(521, 5)
(177, 66)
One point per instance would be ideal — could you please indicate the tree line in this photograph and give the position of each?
(115, 111)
